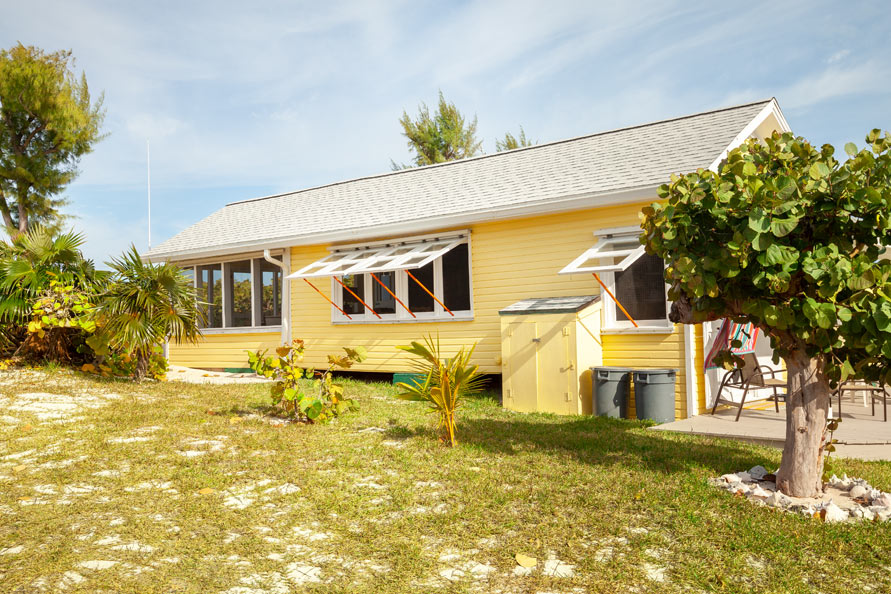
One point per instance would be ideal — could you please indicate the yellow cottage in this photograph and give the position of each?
(457, 249)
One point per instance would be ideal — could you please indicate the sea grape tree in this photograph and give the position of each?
(788, 237)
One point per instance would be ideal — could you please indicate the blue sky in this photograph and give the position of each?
(248, 99)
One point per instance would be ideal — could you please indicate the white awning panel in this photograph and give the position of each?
(614, 254)
(407, 256)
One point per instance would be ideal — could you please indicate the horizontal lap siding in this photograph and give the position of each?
(649, 351)
(222, 350)
(511, 260)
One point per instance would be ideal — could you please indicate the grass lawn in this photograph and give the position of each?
(138, 488)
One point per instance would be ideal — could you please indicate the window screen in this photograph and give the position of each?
(419, 300)
(641, 289)
(381, 301)
(356, 282)
(210, 294)
(270, 287)
(456, 279)
(238, 293)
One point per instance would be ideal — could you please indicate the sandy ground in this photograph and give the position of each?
(200, 376)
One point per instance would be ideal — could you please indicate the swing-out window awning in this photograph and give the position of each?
(610, 254)
(402, 256)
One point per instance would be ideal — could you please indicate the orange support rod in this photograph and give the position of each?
(328, 300)
(610, 293)
(356, 296)
(387, 289)
(420, 284)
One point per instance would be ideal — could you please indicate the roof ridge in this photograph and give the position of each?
(502, 153)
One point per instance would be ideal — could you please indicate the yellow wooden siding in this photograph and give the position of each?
(699, 367)
(510, 261)
(222, 350)
(649, 351)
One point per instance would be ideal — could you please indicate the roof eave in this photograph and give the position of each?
(547, 206)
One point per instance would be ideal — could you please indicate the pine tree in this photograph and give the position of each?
(443, 136)
(47, 123)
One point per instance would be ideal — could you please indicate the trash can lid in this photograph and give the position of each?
(656, 371)
(611, 368)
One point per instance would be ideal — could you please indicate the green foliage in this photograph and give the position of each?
(443, 136)
(326, 400)
(144, 305)
(117, 364)
(511, 142)
(31, 261)
(446, 382)
(788, 237)
(47, 123)
(62, 306)
(60, 321)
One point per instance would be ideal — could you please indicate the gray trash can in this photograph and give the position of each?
(611, 388)
(654, 394)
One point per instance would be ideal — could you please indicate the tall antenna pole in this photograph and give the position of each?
(148, 168)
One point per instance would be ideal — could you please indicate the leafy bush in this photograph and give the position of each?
(144, 305)
(60, 322)
(326, 400)
(114, 364)
(28, 264)
(446, 382)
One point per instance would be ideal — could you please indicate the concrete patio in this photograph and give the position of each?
(860, 435)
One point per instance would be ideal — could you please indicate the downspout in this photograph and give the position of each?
(286, 296)
(690, 369)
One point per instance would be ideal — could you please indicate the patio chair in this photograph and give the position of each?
(749, 378)
(872, 391)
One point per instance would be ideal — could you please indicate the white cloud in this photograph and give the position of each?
(838, 56)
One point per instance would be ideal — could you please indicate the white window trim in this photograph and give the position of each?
(609, 322)
(222, 262)
(401, 289)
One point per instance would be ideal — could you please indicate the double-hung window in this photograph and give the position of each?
(245, 293)
(635, 279)
(399, 281)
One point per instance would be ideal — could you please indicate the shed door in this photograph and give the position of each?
(523, 366)
(556, 393)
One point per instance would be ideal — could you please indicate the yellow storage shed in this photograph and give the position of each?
(548, 346)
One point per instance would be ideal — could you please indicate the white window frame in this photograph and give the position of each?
(401, 287)
(608, 238)
(255, 314)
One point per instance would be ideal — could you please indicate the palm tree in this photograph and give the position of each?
(31, 260)
(144, 305)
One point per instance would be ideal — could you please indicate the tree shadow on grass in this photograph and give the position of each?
(608, 442)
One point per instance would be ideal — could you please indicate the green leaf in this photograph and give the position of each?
(851, 148)
(783, 227)
(758, 221)
(818, 170)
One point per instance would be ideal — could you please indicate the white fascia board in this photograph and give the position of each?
(429, 225)
(772, 108)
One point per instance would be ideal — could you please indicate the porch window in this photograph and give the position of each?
(635, 278)
(400, 281)
(238, 294)
(209, 285)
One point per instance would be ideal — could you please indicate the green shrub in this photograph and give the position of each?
(144, 305)
(446, 382)
(326, 400)
(60, 323)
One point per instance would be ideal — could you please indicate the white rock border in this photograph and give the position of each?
(845, 499)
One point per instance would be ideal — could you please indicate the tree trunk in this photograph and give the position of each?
(807, 406)
(142, 365)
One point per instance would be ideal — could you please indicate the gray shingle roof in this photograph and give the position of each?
(588, 167)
